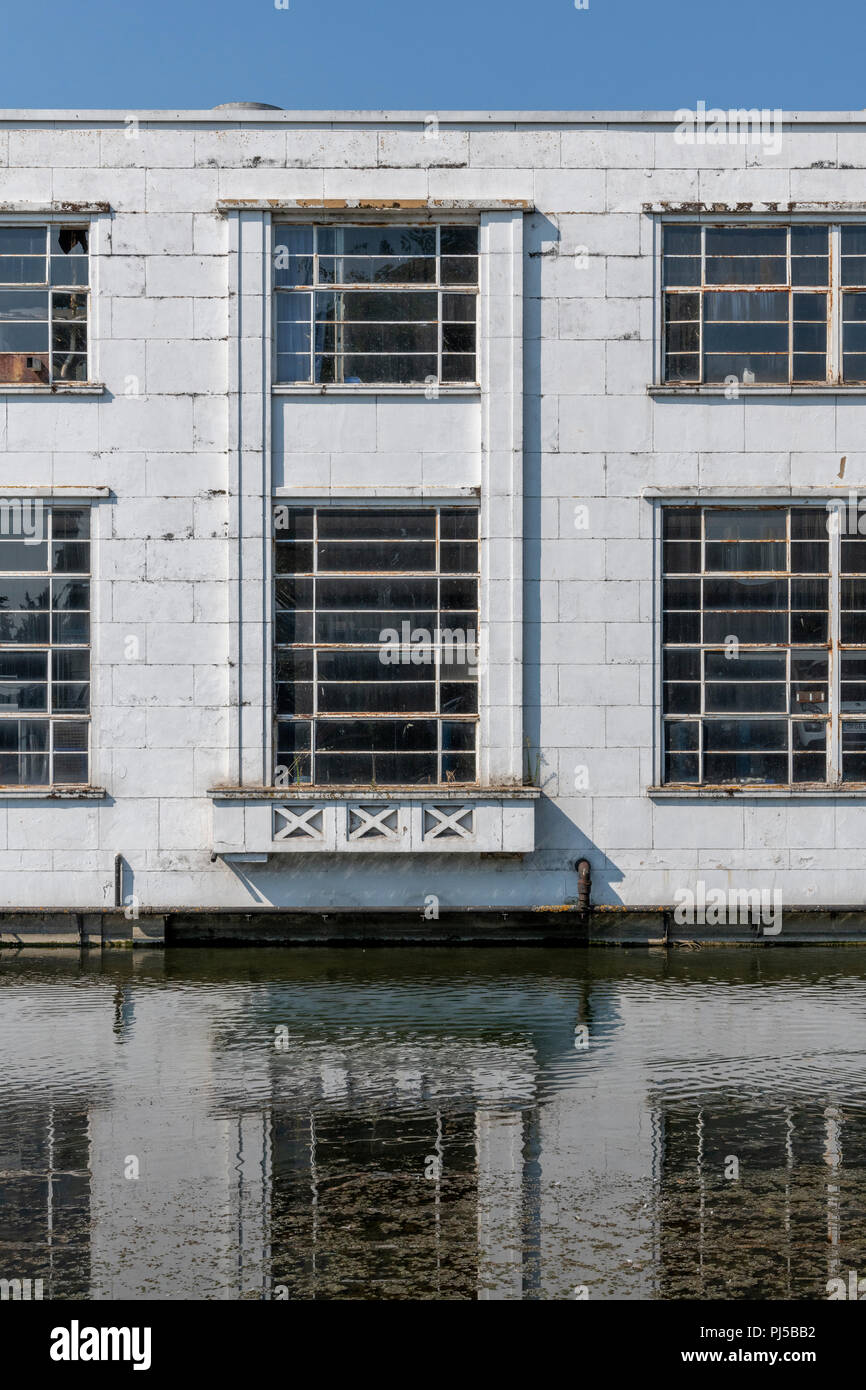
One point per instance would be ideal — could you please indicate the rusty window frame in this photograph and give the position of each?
(832, 717)
(45, 368)
(468, 289)
(301, 769)
(832, 373)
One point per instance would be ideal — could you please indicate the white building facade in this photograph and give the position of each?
(398, 508)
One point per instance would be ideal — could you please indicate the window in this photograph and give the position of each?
(43, 304)
(372, 305)
(764, 645)
(44, 644)
(764, 304)
(376, 660)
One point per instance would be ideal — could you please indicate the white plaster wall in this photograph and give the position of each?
(592, 437)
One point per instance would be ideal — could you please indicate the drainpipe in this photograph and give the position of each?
(118, 880)
(584, 884)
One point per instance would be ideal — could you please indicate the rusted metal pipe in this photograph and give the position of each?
(584, 884)
(118, 880)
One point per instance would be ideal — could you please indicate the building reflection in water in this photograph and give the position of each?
(239, 1125)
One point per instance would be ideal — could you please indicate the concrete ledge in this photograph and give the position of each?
(88, 929)
(553, 925)
(516, 926)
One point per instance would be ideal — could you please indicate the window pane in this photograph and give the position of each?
(746, 241)
(681, 240)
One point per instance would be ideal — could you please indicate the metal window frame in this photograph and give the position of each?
(436, 507)
(834, 718)
(758, 287)
(50, 221)
(50, 647)
(469, 290)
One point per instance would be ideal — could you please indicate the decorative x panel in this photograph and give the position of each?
(303, 822)
(448, 823)
(373, 822)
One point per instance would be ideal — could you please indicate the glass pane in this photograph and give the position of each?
(376, 555)
(810, 241)
(746, 767)
(682, 240)
(765, 523)
(810, 270)
(70, 768)
(747, 337)
(23, 270)
(377, 241)
(23, 304)
(458, 241)
(459, 270)
(723, 735)
(746, 270)
(459, 368)
(69, 270)
(23, 337)
(369, 523)
(763, 368)
(746, 696)
(681, 735)
(746, 241)
(682, 270)
(765, 306)
(682, 306)
(22, 241)
(681, 767)
(361, 270)
(746, 555)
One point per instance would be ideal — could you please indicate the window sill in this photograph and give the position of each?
(449, 791)
(658, 389)
(318, 389)
(802, 791)
(57, 388)
(52, 793)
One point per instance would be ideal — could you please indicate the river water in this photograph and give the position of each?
(433, 1124)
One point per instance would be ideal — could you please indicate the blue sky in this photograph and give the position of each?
(454, 54)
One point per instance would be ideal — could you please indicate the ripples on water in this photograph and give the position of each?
(421, 1124)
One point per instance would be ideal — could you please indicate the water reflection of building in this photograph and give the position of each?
(45, 1198)
(403, 1142)
(756, 1198)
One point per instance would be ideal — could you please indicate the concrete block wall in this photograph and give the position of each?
(593, 441)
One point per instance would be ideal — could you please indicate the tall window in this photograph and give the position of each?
(376, 660)
(44, 644)
(378, 305)
(43, 304)
(764, 644)
(746, 644)
(764, 304)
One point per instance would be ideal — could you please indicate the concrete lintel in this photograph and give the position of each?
(374, 205)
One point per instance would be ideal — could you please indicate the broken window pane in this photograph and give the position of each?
(35, 346)
(39, 649)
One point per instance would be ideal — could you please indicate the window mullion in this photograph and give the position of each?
(701, 325)
(834, 307)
